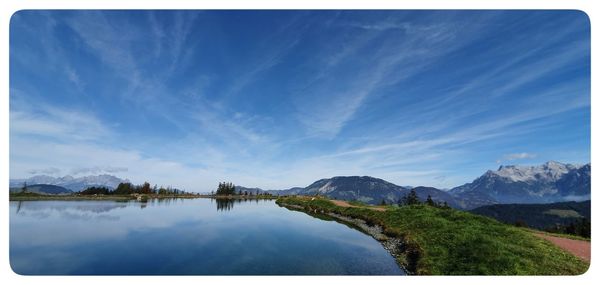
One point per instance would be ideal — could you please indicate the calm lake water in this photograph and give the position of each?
(186, 236)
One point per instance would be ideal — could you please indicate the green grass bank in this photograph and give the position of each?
(440, 241)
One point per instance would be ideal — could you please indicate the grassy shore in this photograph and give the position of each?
(449, 242)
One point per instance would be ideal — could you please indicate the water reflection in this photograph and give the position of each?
(185, 236)
(84, 210)
(44, 208)
(225, 204)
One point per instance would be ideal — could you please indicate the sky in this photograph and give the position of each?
(278, 99)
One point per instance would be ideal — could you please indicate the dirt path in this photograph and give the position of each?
(579, 248)
(346, 204)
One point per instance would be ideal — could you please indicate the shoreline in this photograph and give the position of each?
(238, 197)
(129, 197)
(92, 198)
(393, 245)
(441, 241)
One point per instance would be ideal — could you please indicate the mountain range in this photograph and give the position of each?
(74, 184)
(44, 189)
(547, 183)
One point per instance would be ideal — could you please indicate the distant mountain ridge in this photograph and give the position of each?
(74, 184)
(44, 189)
(361, 188)
(290, 191)
(366, 189)
(547, 183)
(539, 216)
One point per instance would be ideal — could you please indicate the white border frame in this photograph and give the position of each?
(11, 6)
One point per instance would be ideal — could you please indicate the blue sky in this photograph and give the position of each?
(276, 99)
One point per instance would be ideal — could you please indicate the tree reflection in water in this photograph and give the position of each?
(225, 204)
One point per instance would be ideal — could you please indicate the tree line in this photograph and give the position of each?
(580, 227)
(228, 189)
(225, 189)
(411, 198)
(129, 188)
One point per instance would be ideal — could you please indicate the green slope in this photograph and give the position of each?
(44, 189)
(451, 242)
(538, 216)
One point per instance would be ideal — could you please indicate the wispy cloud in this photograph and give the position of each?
(98, 170)
(270, 52)
(39, 119)
(111, 41)
(381, 26)
(47, 171)
(73, 76)
(495, 79)
(325, 110)
(186, 98)
(51, 52)
(148, 90)
(516, 156)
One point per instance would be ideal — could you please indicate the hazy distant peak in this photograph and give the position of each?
(72, 183)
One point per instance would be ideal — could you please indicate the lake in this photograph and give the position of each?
(186, 237)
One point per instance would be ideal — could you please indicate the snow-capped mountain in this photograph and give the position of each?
(546, 183)
(72, 183)
(550, 182)
(550, 171)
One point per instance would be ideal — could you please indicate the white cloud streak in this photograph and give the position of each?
(516, 156)
(325, 111)
(47, 139)
(39, 119)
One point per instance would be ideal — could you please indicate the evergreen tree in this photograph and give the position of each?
(226, 188)
(96, 191)
(123, 189)
(410, 199)
(162, 191)
(430, 201)
(145, 189)
(520, 223)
